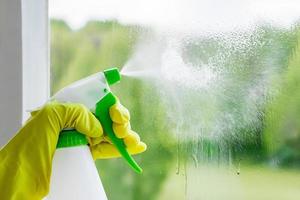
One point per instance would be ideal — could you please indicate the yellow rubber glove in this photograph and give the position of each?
(102, 147)
(26, 161)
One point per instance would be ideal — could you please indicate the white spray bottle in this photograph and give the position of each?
(74, 174)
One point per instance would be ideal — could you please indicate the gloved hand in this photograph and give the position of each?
(26, 161)
(102, 147)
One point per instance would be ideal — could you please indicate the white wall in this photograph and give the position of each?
(24, 68)
(10, 68)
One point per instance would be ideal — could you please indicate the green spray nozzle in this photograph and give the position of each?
(112, 75)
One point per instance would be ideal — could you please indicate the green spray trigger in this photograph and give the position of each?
(102, 113)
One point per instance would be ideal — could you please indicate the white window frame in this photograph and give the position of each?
(24, 62)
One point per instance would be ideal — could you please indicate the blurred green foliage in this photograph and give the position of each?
(282, 127)
(99, 45)
(76, 54)
(93, 48)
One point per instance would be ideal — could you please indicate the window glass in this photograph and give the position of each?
(212, 87)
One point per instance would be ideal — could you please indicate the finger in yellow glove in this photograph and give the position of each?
(26, 161)
(121, 126)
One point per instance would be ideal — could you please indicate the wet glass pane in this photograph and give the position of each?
(213, 88)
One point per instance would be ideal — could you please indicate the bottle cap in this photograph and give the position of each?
(112, 76)
(71, 138)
